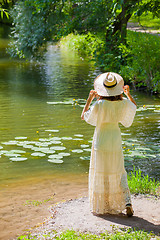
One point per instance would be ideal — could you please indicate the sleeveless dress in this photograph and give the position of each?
(108, 187)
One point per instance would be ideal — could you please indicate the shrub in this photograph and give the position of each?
(87, 45)
(143, 68)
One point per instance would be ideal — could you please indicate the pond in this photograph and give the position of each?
(40, 126)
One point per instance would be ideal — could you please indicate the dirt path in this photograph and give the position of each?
(75, 214)
(137, 28)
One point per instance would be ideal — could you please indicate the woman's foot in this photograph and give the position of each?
(129, 210)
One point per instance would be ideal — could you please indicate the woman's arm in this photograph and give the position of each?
(127, 93)
(91, 96)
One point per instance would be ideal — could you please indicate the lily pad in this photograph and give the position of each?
(28, 146)
(150, 156)
(20, 138)
(43, 139)
(55, 139)
(55, 161)
(85, 158)
(56, 142)
(60, 102)
(78, 139)
(43, 144)
(10, 143)
(20, 144)
(36, 149)
(54, 103)
(64, 154)
(144, 149)
(38, 154)
(3, 151)
(58, 148)
(49, 151)
(125, 134)
(84, 145)
(17, 151)
(52, 130)
(67, 138)
(57, 156)
(18, 159)
(77, 150)
(78, 135)
(87, 149)
(12, 154)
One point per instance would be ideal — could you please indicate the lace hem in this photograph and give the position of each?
(109, 194)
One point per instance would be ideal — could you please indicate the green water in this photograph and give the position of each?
(29, 93)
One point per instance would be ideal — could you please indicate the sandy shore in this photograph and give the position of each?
(75, 214)
(25, 204)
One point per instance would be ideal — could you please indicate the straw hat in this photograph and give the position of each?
(109, 84)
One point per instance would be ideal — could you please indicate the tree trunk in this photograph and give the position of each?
(120, 23)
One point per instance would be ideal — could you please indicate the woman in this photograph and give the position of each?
(108, 187)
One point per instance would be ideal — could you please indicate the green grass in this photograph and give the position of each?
(128, 234)
(139, 183)
(147, 20)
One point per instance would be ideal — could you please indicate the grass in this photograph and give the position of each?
(141, 184)
(128, 234)
(147, 20)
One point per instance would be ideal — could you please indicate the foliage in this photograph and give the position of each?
(139, 183)
(3, 10)
(36, 22)
(87, 44)
(146, 20)
(138, 62)
(142, 68)
(116, 235)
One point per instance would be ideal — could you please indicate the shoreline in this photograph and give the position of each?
(26, 204)
(74, 214)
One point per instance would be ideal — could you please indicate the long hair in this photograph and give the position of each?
(113, 98)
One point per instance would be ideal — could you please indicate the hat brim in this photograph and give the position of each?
(104, 91)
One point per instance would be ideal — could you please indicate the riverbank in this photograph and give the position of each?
(75, 215)
(25, 204)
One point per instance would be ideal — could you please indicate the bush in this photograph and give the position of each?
(87, 45)
(138, 62)
(143, 68)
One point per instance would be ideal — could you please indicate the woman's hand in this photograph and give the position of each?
(126, 90)
(127, 93)
(92, 95)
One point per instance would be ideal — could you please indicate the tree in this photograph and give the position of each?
(124, 9)
(39, 21)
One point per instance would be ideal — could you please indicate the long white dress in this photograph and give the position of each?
(108, 187)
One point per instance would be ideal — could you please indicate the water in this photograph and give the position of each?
(26, 93)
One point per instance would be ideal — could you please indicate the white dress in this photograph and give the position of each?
(108, 187)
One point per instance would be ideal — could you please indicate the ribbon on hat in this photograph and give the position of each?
(110, 81)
